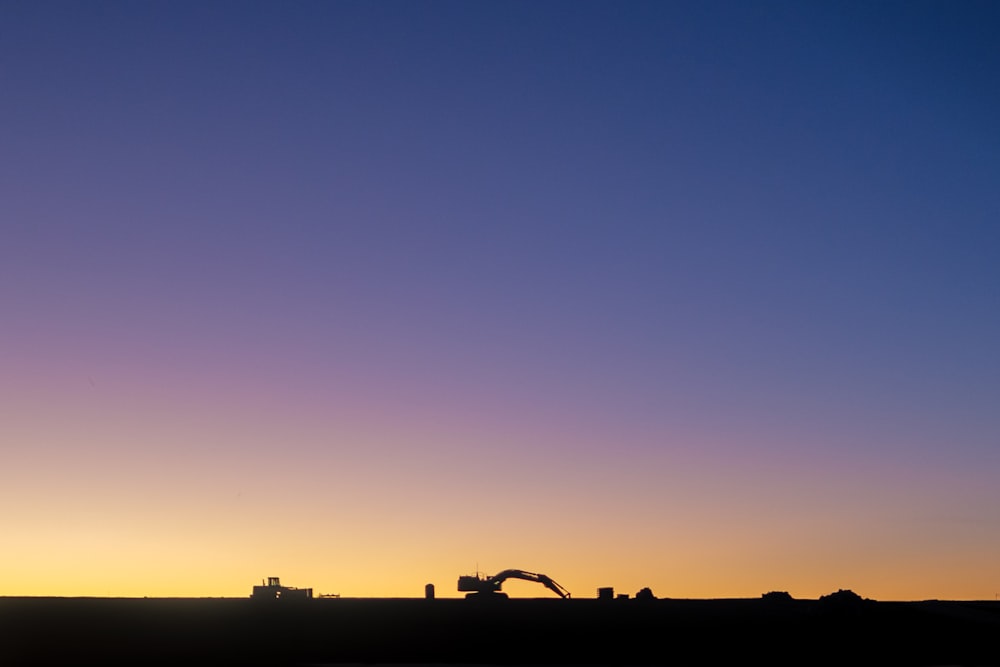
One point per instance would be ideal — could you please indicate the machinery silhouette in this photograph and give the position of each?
(273, 590)
(482, 586)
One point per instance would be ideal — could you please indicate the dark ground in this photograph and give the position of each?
(86, 631)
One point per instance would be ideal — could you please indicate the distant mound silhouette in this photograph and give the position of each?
(843, 600)
(777, 596)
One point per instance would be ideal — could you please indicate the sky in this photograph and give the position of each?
(699, 296)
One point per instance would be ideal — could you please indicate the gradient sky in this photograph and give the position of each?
(701, 296)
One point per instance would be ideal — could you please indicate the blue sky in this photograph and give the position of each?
(754, 239)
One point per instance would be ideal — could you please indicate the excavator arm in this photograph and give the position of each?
(553, 586)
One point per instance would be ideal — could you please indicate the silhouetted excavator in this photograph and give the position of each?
(482, 586)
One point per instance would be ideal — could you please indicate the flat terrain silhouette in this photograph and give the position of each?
(774, 629)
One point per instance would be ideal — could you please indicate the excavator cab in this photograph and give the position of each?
(480, 587)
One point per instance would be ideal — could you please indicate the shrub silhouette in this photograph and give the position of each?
(843, 601)
(645, 594)
(777, 596)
